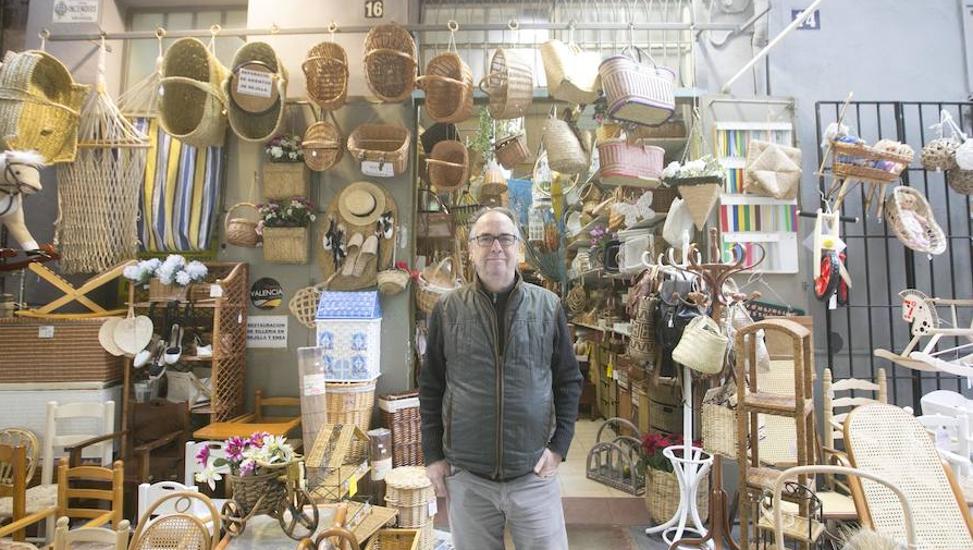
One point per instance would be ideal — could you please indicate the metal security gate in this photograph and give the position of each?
(881, 266)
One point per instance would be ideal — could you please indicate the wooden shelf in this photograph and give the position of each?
(795, 527)
(776, 404)
(195, 359)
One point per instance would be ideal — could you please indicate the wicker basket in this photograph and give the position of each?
(323, 146)
(390, 63)
(394, 539)
(285, 180)
(565, 152)
(642, 342)
(448, 165)
(351, 403)
(960, 181)
(512, 150)
(662, 496)
(400, 413)
(74, 355)
(572, 75)
(939, 153)
(448, 84)
(256, 118)
(848, 161)
(192, 105)
(286, 245)
(719, 430)
(636, 91)
(247, 490)
(159, 292)
(326, 72)
(382, 143)
(911, 219)
(662, 198)
(240, 231)
(433, 282)
(39, 106)
(509, 85)
(630, 164)
(409, 490)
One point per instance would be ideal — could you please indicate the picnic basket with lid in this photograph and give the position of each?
(390, 62)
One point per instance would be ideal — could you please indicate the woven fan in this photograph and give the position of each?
(304, 304)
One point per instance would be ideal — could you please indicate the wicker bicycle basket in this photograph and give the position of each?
(509, 85)
(386, 143)
(448, 165)
(323, 146)
(192, 104)
(390, 63)
(326, 71)
(448, 84)
(911, 219)
(247, 490)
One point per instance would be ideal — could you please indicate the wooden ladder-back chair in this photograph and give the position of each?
(836, 408)
(65, 539)
(66, 478)
(13, 486)
(887, 441)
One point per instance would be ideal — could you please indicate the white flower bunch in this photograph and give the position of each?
(174, 269)
(142, 271)
(701, 167)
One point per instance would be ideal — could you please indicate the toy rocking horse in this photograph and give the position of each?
(19, 176)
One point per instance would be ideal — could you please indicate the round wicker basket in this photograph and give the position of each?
(509, 85)
(911, 219)
(323, 146)
(247, 491)
(448, 83)
(960, 181)
(448, 165)
(939, 153)
(241, 231)
(390, 63)
(326, 71)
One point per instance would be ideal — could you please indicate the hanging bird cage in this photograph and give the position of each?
(98, 193)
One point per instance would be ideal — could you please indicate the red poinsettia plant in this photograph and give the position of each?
(651, 452)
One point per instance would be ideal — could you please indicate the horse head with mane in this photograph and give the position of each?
(20, 174)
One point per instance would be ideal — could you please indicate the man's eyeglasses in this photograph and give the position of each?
(506, 240)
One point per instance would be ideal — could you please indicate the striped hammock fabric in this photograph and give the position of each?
(180, 192)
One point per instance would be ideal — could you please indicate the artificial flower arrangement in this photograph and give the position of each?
(297, 213)
(174, 270)
(651, 456)
(284, 148)
(258, 454)
(705, 168)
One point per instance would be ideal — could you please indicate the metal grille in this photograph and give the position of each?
(881, 266)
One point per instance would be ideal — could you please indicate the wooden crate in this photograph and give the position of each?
(55, 350)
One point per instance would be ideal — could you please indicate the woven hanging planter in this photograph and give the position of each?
(98, 193)
(700, 198)
(390, 63)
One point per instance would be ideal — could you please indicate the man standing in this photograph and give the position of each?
(499, 394)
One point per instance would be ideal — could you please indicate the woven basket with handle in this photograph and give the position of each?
(386, 143)
(390, 63)
(448, 165)
(637, 91)
(192, 105)
(433, 282)
(509, 84)
(512, 150)
(565, 151)
(247, 491)
(323, 146)
(326, 71)
(241, 231)
(448, 83)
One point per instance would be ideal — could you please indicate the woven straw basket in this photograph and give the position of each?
(326, 72)
(846, 159)
(247, 490)
(448, 165)
(911, 219)
(512, 150)
(409, 490)
(565, 152)
(323, 146)
(939, 153)
(252, 117)
(390, 63)
(702, 346)
(285, 180)
(960, 181)
(394, 539)
(39, 106)
(719, 431)
(630, 164)
(636, 91)
(384, 143)
(509, 85)
(448, 84)
(241, 231)
(572, 75)
(286, 245)
(192, 105)
(433, 282)
(392, 281)
(351, 403)
(662, 495)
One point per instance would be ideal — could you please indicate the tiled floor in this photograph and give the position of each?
(574, 483)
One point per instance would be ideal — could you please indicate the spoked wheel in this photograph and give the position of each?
(827, 283)
(303, 515)
(234, 520)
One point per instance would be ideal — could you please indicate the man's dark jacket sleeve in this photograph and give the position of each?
(566, 377)
(432, 385)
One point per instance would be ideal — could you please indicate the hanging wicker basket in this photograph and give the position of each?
(326, 73)
(911, 219)
(512, 150)
(856, 161)
(572, 75)
(286, 245)
(509, 85)
(253, 116)
(565, 151)
(433, 282)
(381, 143)
(390, 63)
(637, 91)
(448, 165)
(40, 106)
(193, 105)
(939, 153)
(448, 84)
(241, 231)
(960, 181)
(323, 146)
(630, 164)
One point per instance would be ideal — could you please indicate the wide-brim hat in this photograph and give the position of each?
(257, 90)
(361, 203)
(132, 334)
(348, 226)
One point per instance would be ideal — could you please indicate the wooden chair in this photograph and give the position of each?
(887, 441)
(836, 409)
(35, 498)
(13, 485)
(67, 477)
(182, 529)
(246, 424)
(150, 493)
(58, 441)
(65, 539)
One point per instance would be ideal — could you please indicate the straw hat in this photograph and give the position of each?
(257, 114)
(361, 203)
(133, 333)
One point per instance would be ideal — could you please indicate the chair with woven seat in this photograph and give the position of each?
(836, 407)
(182, 529)
(13, 487)
(65, 539)
(888, 441)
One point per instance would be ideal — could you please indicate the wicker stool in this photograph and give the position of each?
(409, 490)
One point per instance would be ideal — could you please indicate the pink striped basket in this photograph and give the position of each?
(637, 91)
(630, 164)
